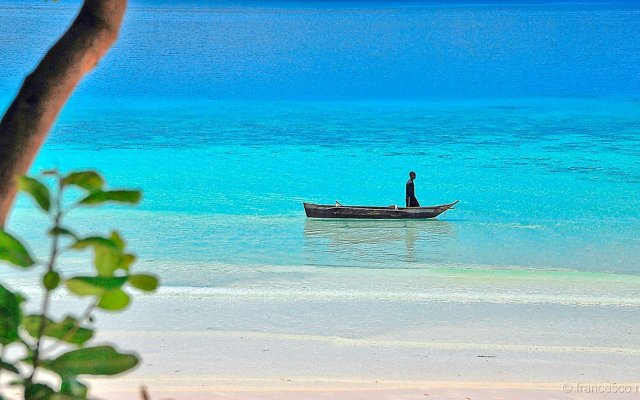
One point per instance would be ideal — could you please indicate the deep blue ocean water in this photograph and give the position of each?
(229, 115)
(316, 50)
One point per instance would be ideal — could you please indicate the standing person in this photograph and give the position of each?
(410, 198)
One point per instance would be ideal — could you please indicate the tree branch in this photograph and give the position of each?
(29, 118)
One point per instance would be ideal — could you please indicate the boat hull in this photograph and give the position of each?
(366, 212)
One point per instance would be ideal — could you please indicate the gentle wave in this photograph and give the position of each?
(380, 343)
(446, 295)
(441, 292)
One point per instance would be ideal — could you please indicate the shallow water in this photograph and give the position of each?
(531, 196)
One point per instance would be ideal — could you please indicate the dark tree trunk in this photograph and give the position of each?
(44, 92)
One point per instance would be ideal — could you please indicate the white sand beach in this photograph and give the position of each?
(487, 339)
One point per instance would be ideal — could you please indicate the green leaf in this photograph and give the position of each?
(109, 256)
(13, 251)
(71, 387)
(116, 196)
(8, 367)
(94, 285)
(37, 190)
(38, 391)
(51, 280)
(145, 282)
(21, 299)
(9, 316)
(90, 181)
(118, 240)
(114, 300)
(31, 324)
(66, 330)
(125, 261)
(83, 289)
(95, 242)
(107, 260)
(60, 231)
(101, 360)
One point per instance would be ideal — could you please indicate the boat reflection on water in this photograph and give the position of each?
(376, 243)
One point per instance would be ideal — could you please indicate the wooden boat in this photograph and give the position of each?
(368, 212)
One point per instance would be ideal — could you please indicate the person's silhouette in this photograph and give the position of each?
(410, 198)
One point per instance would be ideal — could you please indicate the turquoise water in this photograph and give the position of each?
(542, 185)
(229, 115)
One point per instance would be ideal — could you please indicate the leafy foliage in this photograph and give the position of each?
(37, 190)
(68, 330)
(13, 251)
(117, 196)
(101, 360)
(87, 180)
(107, 287)
(10, 311)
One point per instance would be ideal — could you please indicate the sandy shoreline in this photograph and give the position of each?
(277, 388)
(295, 343)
